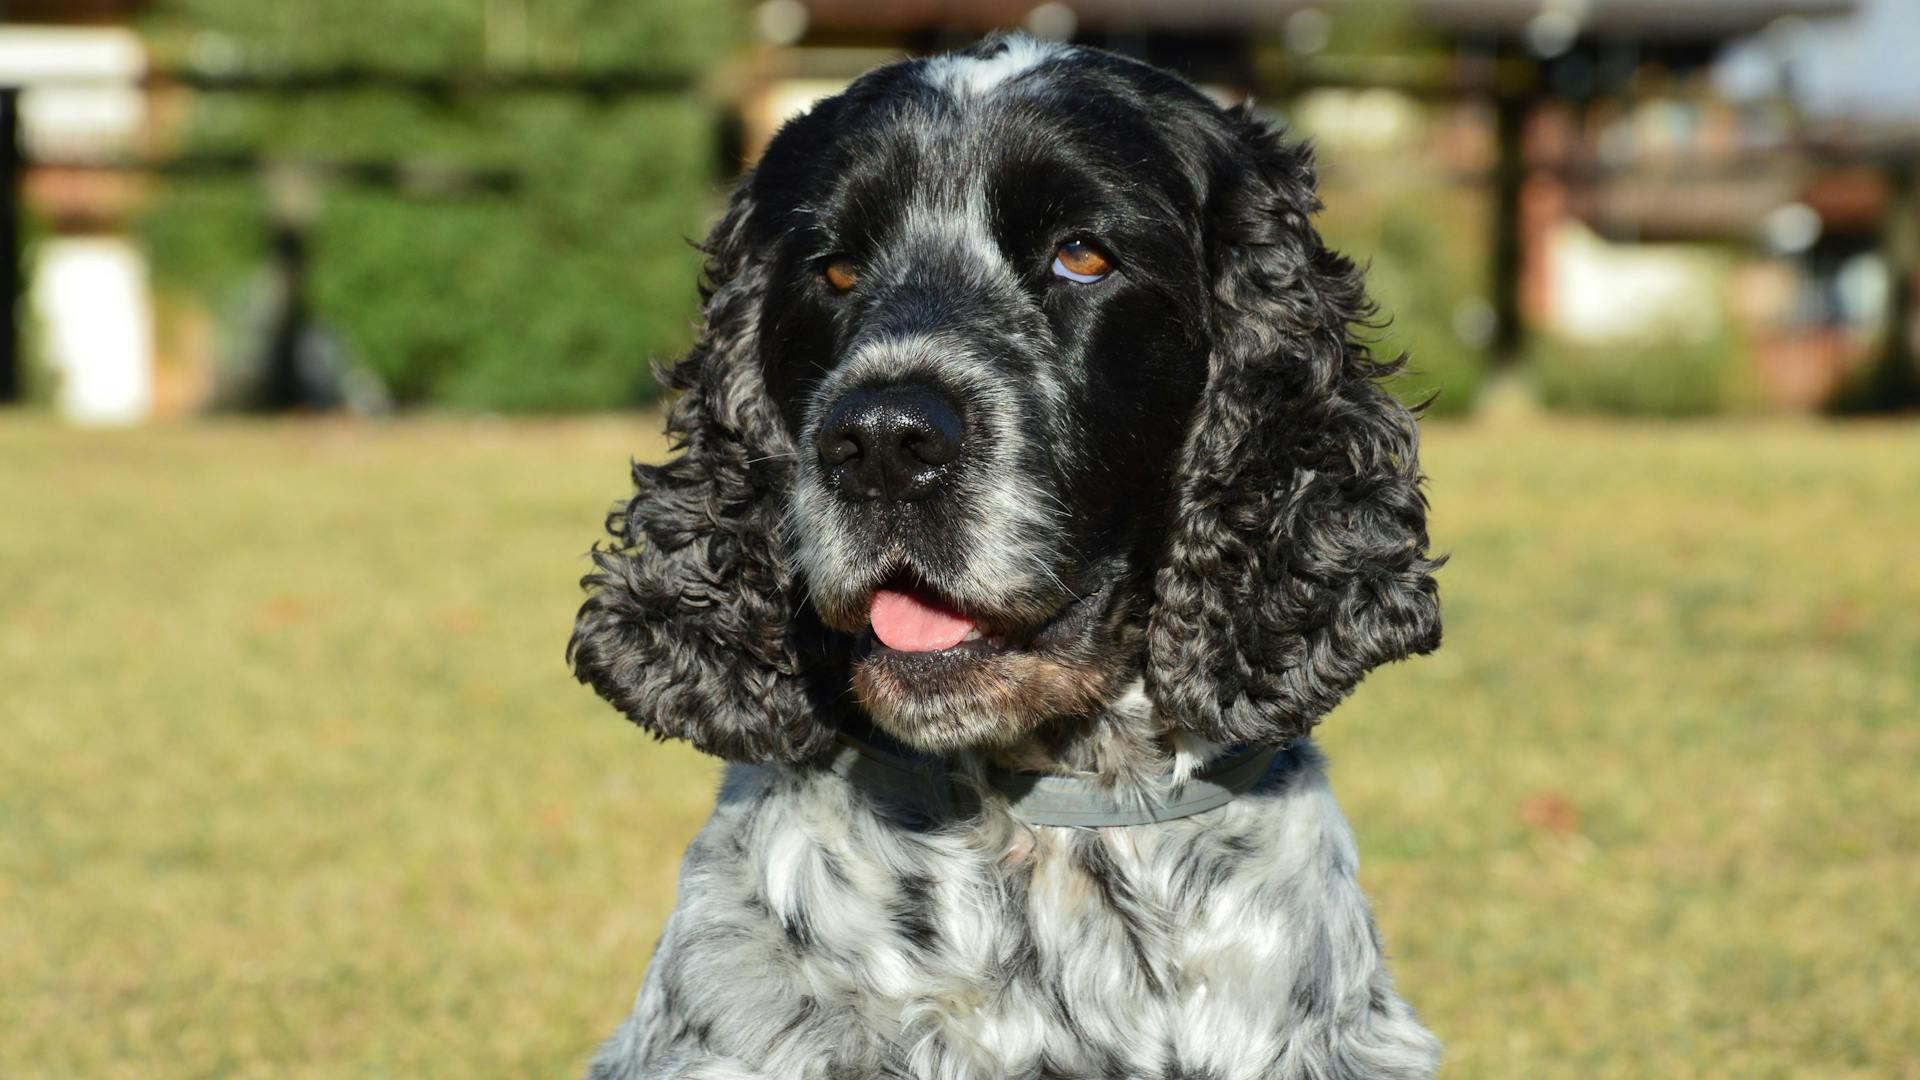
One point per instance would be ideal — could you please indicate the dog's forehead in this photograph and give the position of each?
(1030, 98)
(939, 132)
(1009, 139)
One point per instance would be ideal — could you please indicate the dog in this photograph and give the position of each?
(1034, 495)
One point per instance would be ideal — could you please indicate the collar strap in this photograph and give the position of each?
(927, 784)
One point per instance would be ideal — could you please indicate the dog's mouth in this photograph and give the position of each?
(939, 674)
(907, 618)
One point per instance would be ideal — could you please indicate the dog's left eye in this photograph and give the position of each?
(1080, 261)
(840, 274)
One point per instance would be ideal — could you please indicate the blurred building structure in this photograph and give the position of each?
(107, 137)
(71, 73)
(1630, 197)
(1722, 174)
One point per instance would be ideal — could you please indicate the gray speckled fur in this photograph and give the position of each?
(821, 935)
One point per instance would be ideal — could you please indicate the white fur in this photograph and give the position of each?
(968, 75)
(1236, 941)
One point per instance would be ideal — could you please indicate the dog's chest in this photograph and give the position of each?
(812, 928)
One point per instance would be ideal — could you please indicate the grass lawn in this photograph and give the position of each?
(295, 783)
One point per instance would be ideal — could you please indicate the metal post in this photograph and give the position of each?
(1504, 256)
(294, 199)
(12, 237)
(1894, 384)
(282, 386)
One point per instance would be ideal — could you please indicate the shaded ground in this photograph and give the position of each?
(295, 782)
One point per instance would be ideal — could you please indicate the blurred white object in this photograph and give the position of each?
(1308, 31)
(82, 98)
(1052, 21)
(1858, 67)
(1373, 119)
(781, 22)
(90, 296)
(1791, 228)
(1475, 322)
(1864, 289)
(1608, 292)
(1555, 29)
(789, 98)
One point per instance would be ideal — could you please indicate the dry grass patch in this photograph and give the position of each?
(296, 782)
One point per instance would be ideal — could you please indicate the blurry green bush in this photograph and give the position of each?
(39, 379)
(552, 296)
(1428, 291)
(1419, 238)
(1663, 375)
(1423, 271)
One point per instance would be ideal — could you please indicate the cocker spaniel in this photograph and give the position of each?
(1034, 497)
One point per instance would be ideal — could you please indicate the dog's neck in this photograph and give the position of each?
(1116, 768)
(1125, 743)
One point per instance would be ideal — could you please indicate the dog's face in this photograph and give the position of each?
(985, 331)
(1024, 377)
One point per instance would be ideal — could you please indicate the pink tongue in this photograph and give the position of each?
(907, 623)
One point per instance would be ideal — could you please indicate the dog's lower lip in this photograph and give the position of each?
(981, 647)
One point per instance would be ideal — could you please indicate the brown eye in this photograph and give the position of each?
(1080, 261)
(840, 274)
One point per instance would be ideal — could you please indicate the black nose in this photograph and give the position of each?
(890, 444)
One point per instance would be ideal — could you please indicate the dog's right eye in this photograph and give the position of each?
(1080, 262)
(840, 275)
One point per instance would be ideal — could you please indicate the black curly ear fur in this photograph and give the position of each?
(689, 628)
(1298, 560)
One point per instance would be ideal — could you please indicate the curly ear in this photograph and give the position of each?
(1299, 558)
(688, 629)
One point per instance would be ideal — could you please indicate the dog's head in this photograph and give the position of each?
(1024, 376)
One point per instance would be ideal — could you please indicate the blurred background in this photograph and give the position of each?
(1653, 208)
(324, 332)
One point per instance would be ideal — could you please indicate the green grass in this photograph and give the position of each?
(295, 782)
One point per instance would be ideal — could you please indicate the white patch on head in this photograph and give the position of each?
(967, 230)
(976, 77)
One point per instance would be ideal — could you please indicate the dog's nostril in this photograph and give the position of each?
(938, 441)
(890, 444)
(838, 451)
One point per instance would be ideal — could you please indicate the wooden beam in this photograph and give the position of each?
(12, 239)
